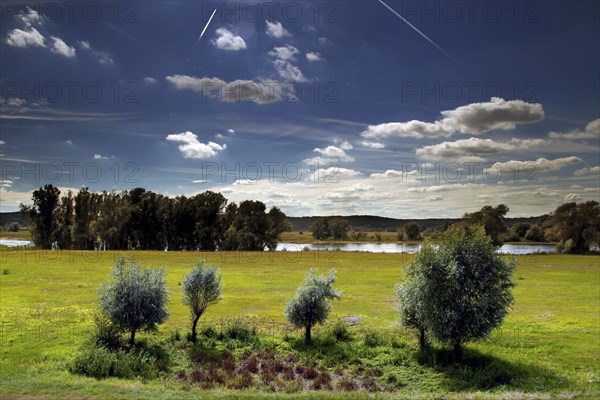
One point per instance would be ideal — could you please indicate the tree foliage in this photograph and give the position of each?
(201, 288)
(412, 231)
(325, 228)
(141, 219)
(135, 297)
(492, 220)
(458, 292)
(311, 303)
(577, 226)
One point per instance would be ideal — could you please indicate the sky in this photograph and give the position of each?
(403, 109)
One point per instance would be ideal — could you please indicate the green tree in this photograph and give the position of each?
(535, 234)
(135, 298)
(320, 228)
(412, 231)
(521, 228)
(201, 288)
(460, 291)
(339, 228)
(14, 227)
(310, 305)
(577, 225)
(42, 215)
(492, 220)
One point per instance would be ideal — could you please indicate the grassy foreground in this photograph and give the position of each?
(548, 347)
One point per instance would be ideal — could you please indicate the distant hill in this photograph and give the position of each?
(10, 217)
(371, 223)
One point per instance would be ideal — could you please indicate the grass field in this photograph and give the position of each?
(549, 345)
(22, 234)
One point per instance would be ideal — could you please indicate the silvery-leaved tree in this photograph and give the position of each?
(201, 288)
(135, 298)
(310, 305)
(459, 291)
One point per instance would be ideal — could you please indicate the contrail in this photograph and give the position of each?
(417, 30)
(207, 24)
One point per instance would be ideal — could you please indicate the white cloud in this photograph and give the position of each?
(61, 48)
(150, 80)
(102, 57)
(592, 131)
(192, 148)
(100, 157)
(30, 17)
(587, 171)
(2, 142)
(392, 173)
(414, 128)
(313, 57)
(276, 30)
(288, 71)
(219, 136)
(496, 114)
(462, 148)
(69, 142)
(434, 197)
(333, 174)
(244, 182)
(332, 154)
(474, 118)
(573, 197)
(231, 131)
(226, 40)
(285, 53)
(323, 41)
(21, 38)
(373, 145)
(443, 188)
(539, 165)
(345, 145)
(263, 92)
(543, 192)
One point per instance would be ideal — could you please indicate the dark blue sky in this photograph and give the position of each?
(306, 105)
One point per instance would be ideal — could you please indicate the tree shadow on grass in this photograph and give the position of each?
(479, 371)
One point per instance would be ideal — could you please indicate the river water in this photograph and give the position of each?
(366, 247)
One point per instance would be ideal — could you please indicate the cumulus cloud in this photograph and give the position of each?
(30, 17)
(323, 41)
(150, 80)
(543, 192)
(263, 92)
(373, 145)
(496, 114)
(244, 182)
(284, 56)
(231, 131)
(313, 57)
(474, 118)
(276, 30)
(592, 131)
(333, 174)
(587, 171)
(21, 38)
(61, 48)
(100, 157)
(226, 40)
(463, 148)
(414, 129)
(573, 197)
(392, 173)
(2, 142)
(193, 148)
(332, 154)
(539, 165)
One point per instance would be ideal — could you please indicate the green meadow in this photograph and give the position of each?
(549, 345)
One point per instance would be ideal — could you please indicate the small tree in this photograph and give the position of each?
(310, 305)
(135, 298)
(14, 227)
(535, 234)
(411, 231)
(201, 288)
(460, 291)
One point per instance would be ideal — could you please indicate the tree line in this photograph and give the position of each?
(575, 227)
(144, 220)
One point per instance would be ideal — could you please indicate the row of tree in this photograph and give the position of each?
(142, 219)
(575, 227)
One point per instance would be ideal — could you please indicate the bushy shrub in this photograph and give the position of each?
(100, 362)
(340, 331)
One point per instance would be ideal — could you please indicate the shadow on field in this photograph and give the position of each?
(479, 371)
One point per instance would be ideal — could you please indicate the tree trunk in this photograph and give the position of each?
(307, 337)
(422, 341)
(194, 323)
(132, 339)
(458, 355)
